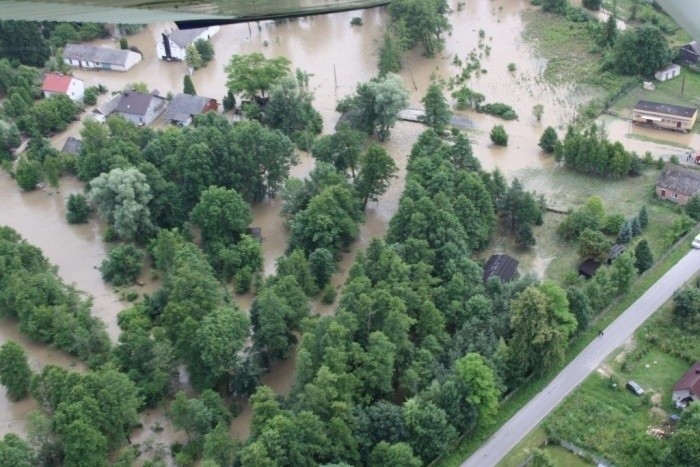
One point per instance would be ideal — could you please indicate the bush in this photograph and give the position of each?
(613, 224)
(329, 294)
(549, 140)
(78, 209)
(356, 21)
(110, 235)
(498, 109)
(244, 280)
(499, 135)
(511, 67)
(123, 265)
(693, 207)
(28, 174)
(90, 97)
(304, 140)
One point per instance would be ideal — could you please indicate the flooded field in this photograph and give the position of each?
(338, 56)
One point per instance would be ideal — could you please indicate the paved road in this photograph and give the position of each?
(588, 360)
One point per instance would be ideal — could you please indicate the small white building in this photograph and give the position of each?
(669, 72)
(101, 58)
(63, 84)
(172, 45)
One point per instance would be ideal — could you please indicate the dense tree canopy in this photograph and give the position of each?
(253, 73)
(421, 21)
(641, 51)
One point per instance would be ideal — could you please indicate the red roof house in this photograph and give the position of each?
(63, 84)
(687, 389)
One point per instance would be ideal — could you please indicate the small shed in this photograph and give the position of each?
(687, 389)
(502, 266)
(690, 53)
(678, 184)
(615, 251)
(588, 268)
(667, 73)
(72, 146)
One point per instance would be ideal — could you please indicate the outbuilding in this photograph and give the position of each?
(183, 108)
(687, 389)
(588, 268)
(173, 45)
(99, 58)
(669, 72)
(690, 53)
(678, 184)
(668, 116)
(70, 86)
(502, 266)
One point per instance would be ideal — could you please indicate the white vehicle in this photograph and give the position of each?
(696, 242)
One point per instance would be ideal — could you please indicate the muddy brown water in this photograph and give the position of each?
(338, 56)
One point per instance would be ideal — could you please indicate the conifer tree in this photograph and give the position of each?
(188, 86)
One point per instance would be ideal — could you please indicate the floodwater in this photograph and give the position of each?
(338, 56)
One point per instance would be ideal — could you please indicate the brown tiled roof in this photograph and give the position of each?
(690, 381)
(680, 179)
(669, 109)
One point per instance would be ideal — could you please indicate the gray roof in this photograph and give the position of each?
(692, 46)
(72, 146)
(133, 102)
(502, 266)
(183, 106)
(669, 109)
(184, 37)
(680, 179)
(108, 107)
(96, 54)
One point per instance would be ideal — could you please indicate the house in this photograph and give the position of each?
(687, 389)
(72, 146)
(690, 53)
(502, 266)
(71, 86)
(172, 46)
(673, 117)
(588, 268)
(669, 72)
(678, 184)
(101, 112)
(100, 58)
(139, 107)
(183, 108)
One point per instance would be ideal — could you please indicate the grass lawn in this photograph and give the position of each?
(564, 457)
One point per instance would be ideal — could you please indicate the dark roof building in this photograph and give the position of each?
(615, 251)
(72, 146)
(668, 109)
(502, 266)
(690, 52)
(184, 107)
(588, 268)
(687, 389)
(678, 183)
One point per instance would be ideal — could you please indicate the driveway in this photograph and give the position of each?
(588, 360)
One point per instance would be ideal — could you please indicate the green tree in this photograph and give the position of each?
(643, 217)
(390, 52)
(15, 374)
(253, 73)
(229, 101)
(429, 429)
(437, 110)
(28, 174)
(580, 306)
(422, 21)
(377, 169)
(222, 215)
(499, 137)
(122, 265)
(23, 41)
(78, 210)
(625, 234)
(548, 140)
(635, 227)
(322, 266)
(541, 324)
(219, 447)
(692, 208)
(205, 49)
(188, 86)
(643, 258)
(122, 198)
(542, 458)
(555, 6)
(15, 452)
(537, 112)
(81, 442)
(342, 149)
(192, 58)
(393, 455)
(219, 340)
(479, 378)
(686, 304)
(641, 51)
(593, 244)
(191, 415)
(683, 448)
(290, 108)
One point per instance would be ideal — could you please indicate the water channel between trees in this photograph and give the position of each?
(338, 56)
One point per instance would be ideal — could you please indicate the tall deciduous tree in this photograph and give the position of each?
(15, 374)
(24, 41)
(15, 452)
(122, 198)
(290, 109)
(423, 21)
(593, 244)
(253, 73)
(391, 50)
(641, 51)
(222, 215)
(480, 381)
(376, 172)
(437, 110)
(220, 338)
(192, 57)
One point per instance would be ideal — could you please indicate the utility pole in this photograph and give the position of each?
(683, 85)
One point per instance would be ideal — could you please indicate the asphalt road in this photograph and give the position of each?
(588, 360)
